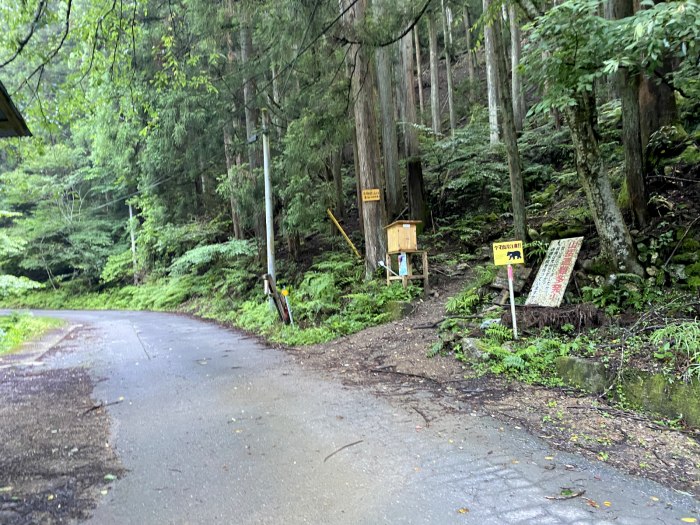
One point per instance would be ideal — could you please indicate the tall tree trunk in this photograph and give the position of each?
(230, 165)
(419, 71)
(632, 144)
(276, 103)
(132, 235)
(615, 239)
(390, 148)
(362, 82)
(251, 118)
(349, 68)
(628, 86)
(358, 182)
(491, 80)
(657, 102)
(336, 164)
(510, 137)
(417, 208)
(448, 69)
(400, 97)
(516, 80)
(434, 78)
(471, 65)
(229, 152)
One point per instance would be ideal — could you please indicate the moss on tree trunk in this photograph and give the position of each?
(615, 239)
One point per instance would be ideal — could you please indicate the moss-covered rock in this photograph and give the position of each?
(397, 309)
(656, 394)
(585, 374)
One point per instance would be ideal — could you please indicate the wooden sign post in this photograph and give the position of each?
(555, 271)
(508, 254)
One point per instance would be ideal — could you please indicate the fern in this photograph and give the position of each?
(206, 255)
(513, 361)
(499, 333)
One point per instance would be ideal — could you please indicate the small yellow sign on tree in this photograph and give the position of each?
(508, 253)
(370, 195)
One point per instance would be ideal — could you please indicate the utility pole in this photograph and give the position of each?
(133, 243)
(269, 226)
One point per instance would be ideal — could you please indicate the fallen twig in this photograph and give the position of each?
(329, 456)
(427, 421)
(660, 458)
(386, 369)
(102, 405)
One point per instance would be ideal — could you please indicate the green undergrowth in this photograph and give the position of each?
(665, 338)
(329, 300)
(18, 328)
(528, 359)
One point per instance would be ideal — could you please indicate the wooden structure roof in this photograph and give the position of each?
(12, 123)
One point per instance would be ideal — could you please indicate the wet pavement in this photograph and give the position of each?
(212, 427)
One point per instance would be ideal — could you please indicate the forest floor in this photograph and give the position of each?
(392, 360)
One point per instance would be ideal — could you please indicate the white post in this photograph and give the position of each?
(512, 300)
(268, 197)
(289, 310)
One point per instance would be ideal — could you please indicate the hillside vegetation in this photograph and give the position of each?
(143, 186)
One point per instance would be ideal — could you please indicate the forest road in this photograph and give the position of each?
(212, 427)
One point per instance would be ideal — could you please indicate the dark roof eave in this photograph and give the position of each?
(13, 124)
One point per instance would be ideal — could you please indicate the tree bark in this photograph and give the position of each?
(632, 145)
(362, 83)
(516, 80)
(657, 102)
(471, 66)
(628, 86)
(337, 173)
(491, 80)
(394, 193)
(510, 137)
(615, 239)
(448, 70)
(251, 117)
(230, 164)
(434, 77)
(419, 71)
(415, 184)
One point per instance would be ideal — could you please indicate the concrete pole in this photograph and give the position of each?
(269, 226)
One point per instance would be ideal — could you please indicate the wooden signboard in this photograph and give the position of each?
(553, 276)
(370, 195)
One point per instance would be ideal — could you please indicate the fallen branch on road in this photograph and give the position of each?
(329, 456)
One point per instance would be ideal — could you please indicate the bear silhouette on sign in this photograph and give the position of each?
(515, 254)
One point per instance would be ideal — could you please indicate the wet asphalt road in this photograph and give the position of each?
(215, 428)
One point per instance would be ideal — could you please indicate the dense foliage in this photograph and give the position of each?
(142, 186)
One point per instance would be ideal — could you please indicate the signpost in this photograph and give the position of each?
(370, 195)
(508, 254)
